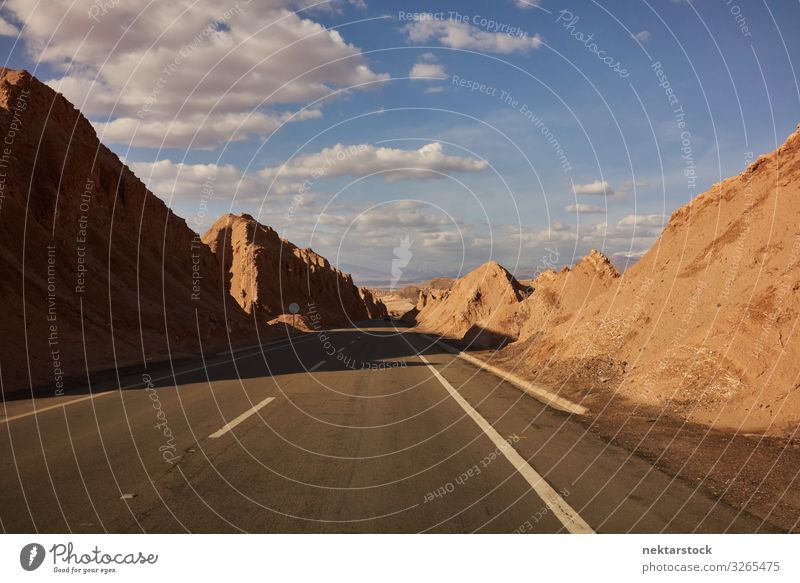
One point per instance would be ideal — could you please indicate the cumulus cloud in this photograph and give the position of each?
(298, 177)
(631, 254)
(330, 7)
(196, 130)
(404, 215)
(584, 208)
(427, 72)
(642, 36)
(427, 162)
(427, 68)
(463, 35)
(180, 180)
(594, 188)
(183, 183)
(155, 62)
(526, 4)
(638, 231)
(643, 221)
(7, 29)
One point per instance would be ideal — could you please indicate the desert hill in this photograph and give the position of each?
(557, 295)
(483, 307)
(704, 324)
(266, 274)
(703, 327)
(490, 306)
(90, 258)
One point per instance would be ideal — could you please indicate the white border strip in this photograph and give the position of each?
(557, 505)
(539, 393)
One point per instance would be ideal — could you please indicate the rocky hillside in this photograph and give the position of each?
(482, 308)
(558, 296)
(704, 327)
(266, 274)
(97, 271)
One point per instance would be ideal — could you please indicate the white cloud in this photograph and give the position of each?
(186, 181)
(162, 61)
(642, 36)
(427, 72)
(195, 130)
(427, 68)
(385, 220)
(7, 29)
(330, 7)
(584, 209)
(362, 159)
(595, 188)
(631, 254)
(643, 221)
(526, 4)
(639, 231)
(462, 35)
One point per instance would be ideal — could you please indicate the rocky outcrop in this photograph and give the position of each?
(375, 308)
(480, 308)
(558, 296)
(266, 274)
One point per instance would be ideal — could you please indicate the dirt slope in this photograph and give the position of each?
(481, 308)
(705, 325)
(558, 295)
(88, 255)
(266, 274)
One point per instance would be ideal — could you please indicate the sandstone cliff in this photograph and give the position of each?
(266, 275)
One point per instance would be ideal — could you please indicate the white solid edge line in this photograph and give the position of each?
(59, 406)
(557, 505)
(231, 424)
(539, 393)
(316, 366)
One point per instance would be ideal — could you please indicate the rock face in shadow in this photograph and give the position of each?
(266, 275)
(97, 271)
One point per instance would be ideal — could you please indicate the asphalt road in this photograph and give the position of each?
(348, 432)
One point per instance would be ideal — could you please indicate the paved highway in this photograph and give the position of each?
(357, 430)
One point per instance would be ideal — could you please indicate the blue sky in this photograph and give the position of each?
(519, 133)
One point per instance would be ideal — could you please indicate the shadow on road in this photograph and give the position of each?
(334, 347)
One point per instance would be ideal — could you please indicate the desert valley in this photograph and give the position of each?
(360, 267)
(689, 358)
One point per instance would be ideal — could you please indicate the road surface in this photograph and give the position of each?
(358, 430)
